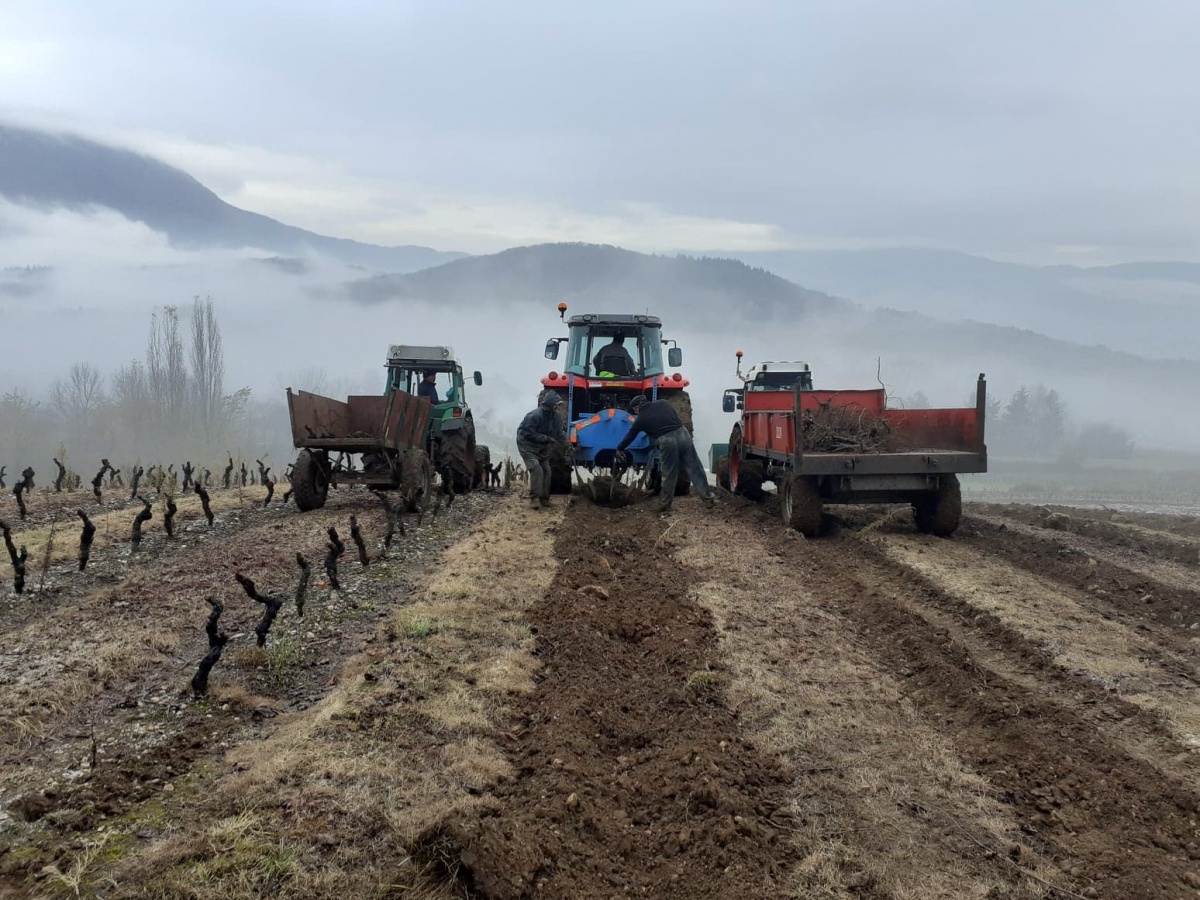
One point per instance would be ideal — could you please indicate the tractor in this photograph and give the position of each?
(451, 441)
(395, 434)
(610, 359)
(764, 376)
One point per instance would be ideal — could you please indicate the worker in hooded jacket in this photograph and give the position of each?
(537, 435)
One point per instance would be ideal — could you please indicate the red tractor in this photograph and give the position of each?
(612, 358)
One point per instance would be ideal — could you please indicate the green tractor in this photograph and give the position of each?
(433, 372)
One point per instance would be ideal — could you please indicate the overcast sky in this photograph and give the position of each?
(1042, 132)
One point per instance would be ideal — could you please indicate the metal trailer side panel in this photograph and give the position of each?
(314, 416)
(408, 419)
(358, 424)
(953, 442)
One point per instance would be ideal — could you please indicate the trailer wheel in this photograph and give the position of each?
(940, 512)
(310, 480)
(800, 503)
(416, 479)
(560, 469)
(745, 477)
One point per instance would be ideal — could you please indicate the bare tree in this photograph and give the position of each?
(24, 426)
(131, 400)
(76, 399)
(208, 370)
(165, 370)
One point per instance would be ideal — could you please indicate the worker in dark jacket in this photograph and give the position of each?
(537, 435)
(614, 359)
(662, 425)
(428, 387)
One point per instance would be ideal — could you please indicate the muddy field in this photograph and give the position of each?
(585, 703)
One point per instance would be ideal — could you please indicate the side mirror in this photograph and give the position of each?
(478, 378)
(552, 349)
(728, 404)
(675, 357)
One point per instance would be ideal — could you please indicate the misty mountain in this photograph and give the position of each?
(1148, 308)
(58, 170)
(602, 278)
(724, 304)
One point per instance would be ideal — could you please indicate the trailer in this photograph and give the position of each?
(385, 434)
(891, 455)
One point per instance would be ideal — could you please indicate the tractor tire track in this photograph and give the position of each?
(1126, 826)
(632, 775)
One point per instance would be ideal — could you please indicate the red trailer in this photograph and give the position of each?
(822, 446)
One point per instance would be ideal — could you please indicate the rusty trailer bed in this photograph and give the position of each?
(358, 424)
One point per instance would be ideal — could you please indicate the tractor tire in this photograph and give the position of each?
(800, 504)
(310, 480)
(456, 457)
(483, 466)
(745, 476)
(560, 468)
(681, 402)
(940, 512)
(416, 479)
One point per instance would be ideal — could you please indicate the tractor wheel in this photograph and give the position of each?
(310, 480)
(940, 512)
(416, 479)
(681, 402)
(800, 503)
(560, 469)
(483, 465)
(745, 476)
(456, 457)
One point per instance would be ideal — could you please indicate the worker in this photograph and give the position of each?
(428, 387)
(613, 359)
(662, 425)
(537, 435)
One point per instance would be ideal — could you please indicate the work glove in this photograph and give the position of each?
(621, 458)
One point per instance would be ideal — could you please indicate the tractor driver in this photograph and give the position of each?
(614, 359)
(428, 387)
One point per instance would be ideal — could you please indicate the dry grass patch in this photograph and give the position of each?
(63, 685)
(1079, 638)
(354, 787)
(882, 804)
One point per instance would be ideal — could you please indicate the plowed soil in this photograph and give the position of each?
(588, 702)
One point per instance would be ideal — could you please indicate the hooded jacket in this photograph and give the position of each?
(542, 426)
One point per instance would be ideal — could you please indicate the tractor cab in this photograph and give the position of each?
(614, 347)
(435, 373)
(767, 376)
(779, 376)
(430, 372)
(610, 358)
